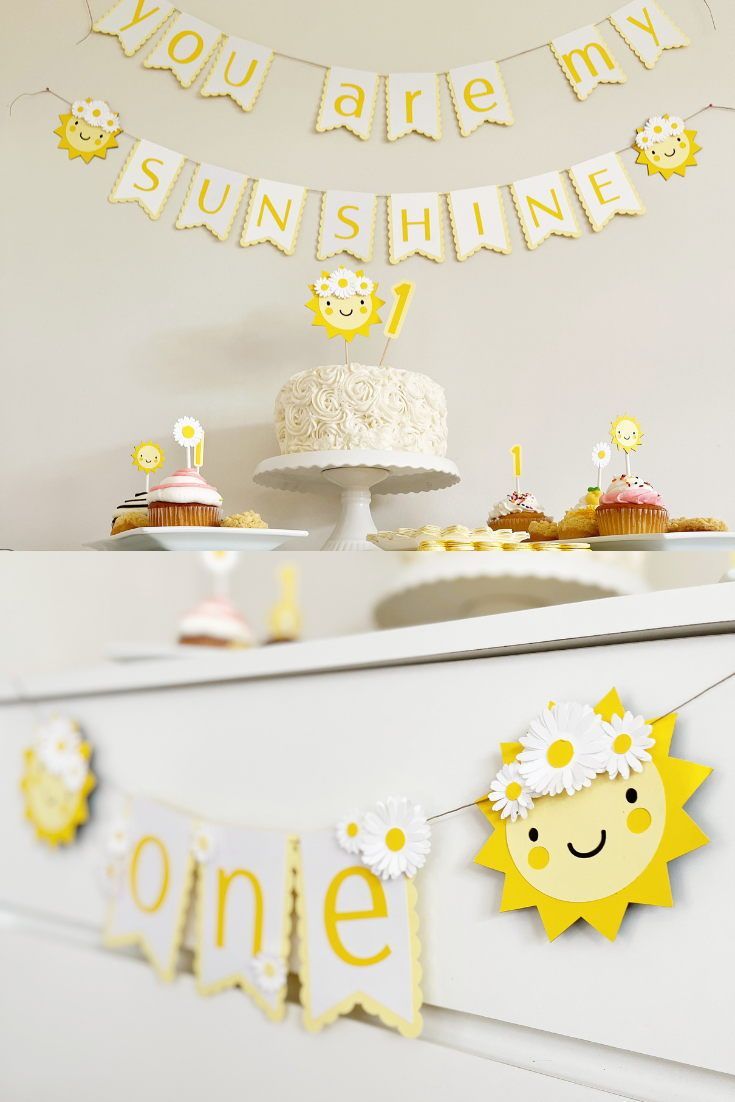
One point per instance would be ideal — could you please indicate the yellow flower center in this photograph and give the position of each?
(352, 829)
(513, 791)
(622, 744)
(342, 282)
(187, 431)
(395, 839)
(560, 753)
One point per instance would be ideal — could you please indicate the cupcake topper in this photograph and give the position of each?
(345, 303)
(517, 453)
(627, 435)
(601, 456)
(199, 454)
(148, 457)
(88, 129)
(220, 565)
(285, 617)
(403, 293)
(189, 434)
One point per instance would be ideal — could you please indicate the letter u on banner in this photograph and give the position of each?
(150, 907)
(348, 100)
(133, 22)
(604, 189)
(358, 939)
(478, 221)
(274, 215)
(412, 105)
(543, 208)
(244, 915)
(479, 96)
(148, 177)
(647, 30)
(347, 224)
(586, 60)
(185, 48)
(414, 226)
(212, 200)
(239, 71)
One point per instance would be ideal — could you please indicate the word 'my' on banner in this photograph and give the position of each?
(347, 224)
(414, 226)
(647, 30)
(479, 96)
(586, 60)
(212, 200)
(604, 189)
(274, 215)
(543, 208)
(358, 939)
(348, 100)
(150, 906)
(185, 48)
(244, 898)
(239, 71)
(148, 177)
(133, 22)
(412, 105)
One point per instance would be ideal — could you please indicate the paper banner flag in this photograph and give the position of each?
(586, 61)
(244, 898)
(478, 221)
(148, 177)
(150, 905)
(479, 96)
(239, 71)
(212, 200)
(348, 100)
(604, 189)
(412, 105)
(647, 30)
(358, 939)
(184, 49)
(414, 226)
(543, 208)
(347, 224)
(274, 215)
(133, 22)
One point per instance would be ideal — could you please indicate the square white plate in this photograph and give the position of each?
(186, 538)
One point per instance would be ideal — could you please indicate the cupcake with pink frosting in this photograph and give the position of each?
(215, 623)
(631, 506)
(184, 498)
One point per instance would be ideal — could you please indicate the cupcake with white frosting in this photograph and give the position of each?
(215, 623)
(184, 498)
(517, 510)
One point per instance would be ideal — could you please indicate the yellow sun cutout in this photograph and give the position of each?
(345, 304)
(588, 856)
(80, 139)
(55, 803)
(626, 433)
(671, 156)
(148, 457)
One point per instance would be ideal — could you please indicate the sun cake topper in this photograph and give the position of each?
(88, 130)
(148, 457)
(665, 146)
(57, 780)
(587, 811)
(345, 303)
(627, 436)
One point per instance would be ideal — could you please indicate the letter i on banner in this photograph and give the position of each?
(358, 939)
(479, 96)
(239, 71)
(348, 100)
(149, 907)
(414, 226)
(412, 105)
(274, 215)
(543, 208)
(133, 22)
(148, 177)
(243, 924)
(647, 30)
(478, 221)
(185, 48)
(347, 224)
(604, 189)
(212, 200)
(586, 60)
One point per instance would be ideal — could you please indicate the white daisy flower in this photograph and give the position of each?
(220, 562)
(188, 432)
(321, 287)
(349, 832)
(628, 744)
(109, 876)
(342, 283)
(657, 127)
(111, 123)
(58, 741)
(203, 843)
(643, 139)
(75, 772)
(676, 125)
(563, 750)
(601, 454)
(396, 838)
(364, 285)
(77, 108)
(118, 839)
(509, 795)
(95, 111)
(269, 972)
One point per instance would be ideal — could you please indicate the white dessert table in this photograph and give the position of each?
(357, 474)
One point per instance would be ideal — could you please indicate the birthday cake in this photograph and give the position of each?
(348, 406)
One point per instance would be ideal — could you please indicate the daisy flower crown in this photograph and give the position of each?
(657, 129)
(564, 750)
(95, 112)
(342, 283)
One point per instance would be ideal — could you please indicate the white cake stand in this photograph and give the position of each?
(357, 474)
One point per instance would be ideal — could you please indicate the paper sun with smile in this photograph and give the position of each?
(88, 130)
(345, 303)
(665, 146)
(587, 811)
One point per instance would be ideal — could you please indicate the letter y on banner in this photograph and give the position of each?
(133, 22)
(647, 30)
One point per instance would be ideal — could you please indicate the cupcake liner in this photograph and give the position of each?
(631, 520)
(517, 522)
(167, 514)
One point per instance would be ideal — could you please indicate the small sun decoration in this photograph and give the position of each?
(57, 780)
(345, 303)
(88, 130)
(626, 433)
(148, 457)
(665, 147)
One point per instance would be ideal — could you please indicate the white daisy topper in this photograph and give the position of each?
(628, 744)
(563, 750)
(349, 832)
(509, 794)
(396, 838)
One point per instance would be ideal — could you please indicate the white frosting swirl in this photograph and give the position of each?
(515, 503)
(185, 487)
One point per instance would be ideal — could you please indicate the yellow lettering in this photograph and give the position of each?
(281, 222)
(485, 89)
(355, 228)
(410, 97)
(248, 75)
(379, 909)
(478, 217)
(358, 100)
(585, 56)
(597, 188)
(149, 839)
(425, 222)
(138, 16)
(223, 886)
(149, 173)
(203, 198)
(555, 213)
(648, 26)
(177, 38)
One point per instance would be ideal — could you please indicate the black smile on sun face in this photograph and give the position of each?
(348, 314)
(590, 852)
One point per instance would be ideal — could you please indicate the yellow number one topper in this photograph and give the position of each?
(517, 452)
(148, 457)
(402, 295)
(627, 436)
(345, 303)
(88, 130)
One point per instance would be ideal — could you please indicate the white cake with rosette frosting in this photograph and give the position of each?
(351, 406)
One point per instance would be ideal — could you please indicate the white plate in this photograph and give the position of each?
(664, 541)
(189, 538)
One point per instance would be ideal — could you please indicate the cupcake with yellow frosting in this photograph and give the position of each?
(580, 522)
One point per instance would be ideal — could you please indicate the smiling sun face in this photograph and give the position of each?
(80, 139)
(345, 303)
(55, 805)
(671, 156)
(588, 856)
(626, 433)
(148, 457)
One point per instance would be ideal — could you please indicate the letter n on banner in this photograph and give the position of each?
(348, 100)
(414, 226)
(358, 939)
(274, 215)
(185, 48)
(586, 60)
(478, 221)
(604, 189)
(647, 30)
(150, 907)
(244, 914)
(347, 224)
(212, 200)
(239, 71)
(479, 96)
(133, 22)
(543, 208)
(148, 177)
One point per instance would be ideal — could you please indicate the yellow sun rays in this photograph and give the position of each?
(109, 142)
(644, 158)
(55, 810)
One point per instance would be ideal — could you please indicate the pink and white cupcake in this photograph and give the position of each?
(516, 511)
(631, 506)
(215, 623)
(184, 498)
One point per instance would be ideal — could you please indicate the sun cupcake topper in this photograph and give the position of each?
(665, 146)
(88, 130)
(148, 457)
(587, 811)
(57, 780)
(627, 436)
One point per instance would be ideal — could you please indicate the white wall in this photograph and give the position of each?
(115, 325)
